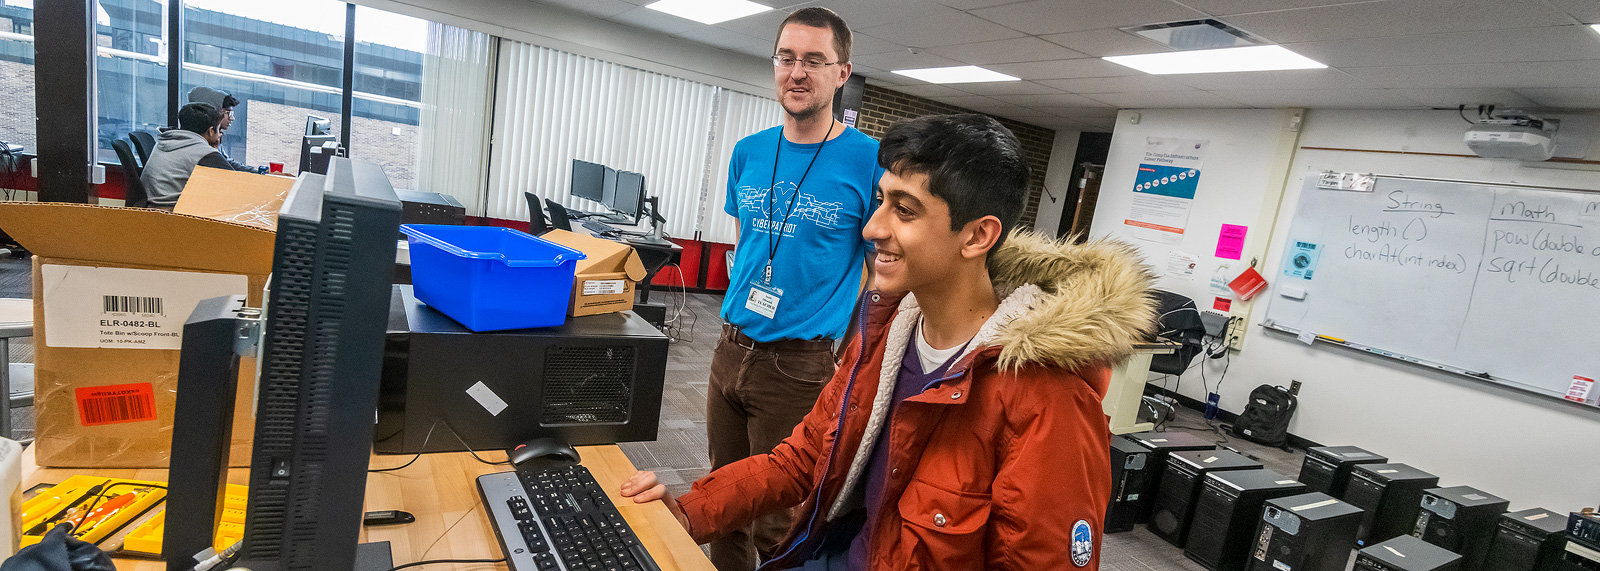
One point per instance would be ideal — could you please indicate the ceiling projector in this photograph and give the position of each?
(1521, 137)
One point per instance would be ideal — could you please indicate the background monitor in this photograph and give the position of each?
(317, 125)
(629, 195)
(588, 180)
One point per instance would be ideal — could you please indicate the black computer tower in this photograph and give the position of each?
(1226, 514)
(1460, 519)
(430, 208)
(596, 379)
(1529, 540)
(1306, 532)
(1130, 476)
(1391, 495)
(1407, 553)
(1160, 445)
(1326, 469)
(1180, 486)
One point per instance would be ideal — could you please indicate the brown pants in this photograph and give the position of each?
(757, 396)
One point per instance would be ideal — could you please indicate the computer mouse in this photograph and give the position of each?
(544, 449)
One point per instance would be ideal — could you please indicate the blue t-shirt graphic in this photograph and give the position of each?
(818, 259)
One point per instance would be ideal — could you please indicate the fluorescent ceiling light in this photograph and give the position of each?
(1595, 27)
(708, 11)
(955, 74)
(1251, 58)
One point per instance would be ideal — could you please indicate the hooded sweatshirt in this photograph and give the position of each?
(176, 154)
(1003, 463)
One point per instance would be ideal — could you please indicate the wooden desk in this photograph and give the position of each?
(441, 491)
(1121, 403)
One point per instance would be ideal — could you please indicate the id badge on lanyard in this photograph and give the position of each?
(764, 299)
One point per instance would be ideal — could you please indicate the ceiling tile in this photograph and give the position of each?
(1064, 69)
(1164, 99)
(866, 44)
(1523, 75)
(1280, 79)
(596, 8)
(1050, 100)
(1231, 7)
(763, 25)
(1527, 44)
(1005, 88)
(1565, 98)
(943, 30)
(929, 90)
(1116, 84)
(1107, 42)
(1323, 98)
(889, 79)
(1055, 17)
(1451, 98)
(968, 101)
(729, 40)
(1099, 111)
(975, 4)
(864, 14)
(1397, 18)
(658, 21)
(1026, 48)
(1586, 11)
(903, 60)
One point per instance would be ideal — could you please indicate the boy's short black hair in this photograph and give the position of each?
(229, 101)
(819, 17)
(198, 117)
(973, 163)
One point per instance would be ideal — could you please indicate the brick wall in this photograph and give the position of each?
(16, 104)
(881, 107)
(275, 132)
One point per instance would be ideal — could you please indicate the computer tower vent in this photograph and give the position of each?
(588, 385)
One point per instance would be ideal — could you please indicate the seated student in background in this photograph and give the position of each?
(963, 429)
(179, 150)
(224, 102)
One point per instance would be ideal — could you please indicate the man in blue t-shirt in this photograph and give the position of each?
(801, 191)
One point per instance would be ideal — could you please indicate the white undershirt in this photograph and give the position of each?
(932, 358)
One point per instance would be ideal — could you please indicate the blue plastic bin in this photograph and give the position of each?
(491, 278)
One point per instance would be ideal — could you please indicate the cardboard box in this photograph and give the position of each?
(603, 282)
(234, 196)
(111, 285)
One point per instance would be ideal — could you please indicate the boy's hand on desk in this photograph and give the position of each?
(643, 487)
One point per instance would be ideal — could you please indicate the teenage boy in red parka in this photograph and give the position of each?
(963, 429)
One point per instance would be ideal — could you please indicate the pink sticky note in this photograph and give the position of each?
(1230, 244)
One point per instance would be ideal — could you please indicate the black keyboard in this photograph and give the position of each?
(559, 519)
(598, 226)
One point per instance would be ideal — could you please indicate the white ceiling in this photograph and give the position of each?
(1388, 54)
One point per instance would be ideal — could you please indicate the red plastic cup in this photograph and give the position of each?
(275, 167)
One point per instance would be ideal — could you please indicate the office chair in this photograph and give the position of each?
(558, 215)
(536, 220)
(1177, 319)
(144, 143)
(132, 168)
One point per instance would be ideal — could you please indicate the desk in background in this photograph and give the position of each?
(440, 490)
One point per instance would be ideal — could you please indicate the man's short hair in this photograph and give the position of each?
(973, 163)
(199, 117)
(819, 17)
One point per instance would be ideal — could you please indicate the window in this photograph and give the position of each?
(131, 75)
(16, 73)
(420, 102)
(281, 59)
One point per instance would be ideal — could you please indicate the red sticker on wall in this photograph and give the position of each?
(113, 404)
(1222, 304)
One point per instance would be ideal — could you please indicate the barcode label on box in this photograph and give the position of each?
(115, 404)
(603, 287)
(124, 308)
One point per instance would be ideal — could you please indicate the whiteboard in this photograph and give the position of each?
(1496, 282)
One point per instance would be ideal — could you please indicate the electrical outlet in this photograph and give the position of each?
(1235, 333)
(1294, 387)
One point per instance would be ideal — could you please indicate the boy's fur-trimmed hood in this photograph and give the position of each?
(1093, 303)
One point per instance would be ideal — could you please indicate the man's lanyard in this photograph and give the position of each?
(772, 199)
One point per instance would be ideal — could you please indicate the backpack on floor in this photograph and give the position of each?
(1265, 419)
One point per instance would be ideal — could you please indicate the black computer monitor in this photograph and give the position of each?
(317, 125)
(588, 180)
(322, 354)
(629, 195)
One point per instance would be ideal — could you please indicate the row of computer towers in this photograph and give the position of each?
(1228, 513)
